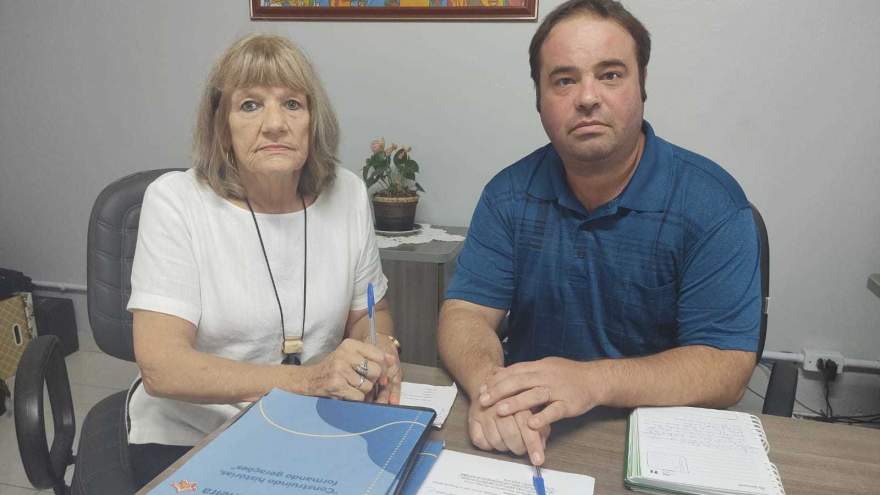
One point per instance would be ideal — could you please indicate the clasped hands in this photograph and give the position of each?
(354, 369)
(517, 404)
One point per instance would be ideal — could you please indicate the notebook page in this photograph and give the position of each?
(704, 447)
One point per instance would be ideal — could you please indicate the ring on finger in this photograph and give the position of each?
(360, 383)
(363, 368)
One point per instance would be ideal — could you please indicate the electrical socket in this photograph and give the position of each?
(812, 357)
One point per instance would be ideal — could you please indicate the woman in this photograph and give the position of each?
(260, 254)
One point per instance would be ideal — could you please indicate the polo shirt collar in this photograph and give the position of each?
(649, 186)
(646, 190)
(548, 182)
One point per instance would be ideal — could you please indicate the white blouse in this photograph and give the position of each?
(198, 257)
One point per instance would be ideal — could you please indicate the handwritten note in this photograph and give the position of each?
(721, 451)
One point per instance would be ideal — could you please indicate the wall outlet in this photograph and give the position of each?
(812, 357)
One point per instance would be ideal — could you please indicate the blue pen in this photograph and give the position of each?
(538, 481)
(371, 301)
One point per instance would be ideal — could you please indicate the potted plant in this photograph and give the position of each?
(393, 171)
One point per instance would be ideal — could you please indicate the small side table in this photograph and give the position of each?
(417, 278)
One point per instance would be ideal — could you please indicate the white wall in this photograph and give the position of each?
(783, 93)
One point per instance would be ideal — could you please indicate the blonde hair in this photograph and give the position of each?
(262, 60)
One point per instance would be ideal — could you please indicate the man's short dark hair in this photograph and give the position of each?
(605, 9)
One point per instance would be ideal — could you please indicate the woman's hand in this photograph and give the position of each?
(358, 327)
(389, 386)
(337, 375)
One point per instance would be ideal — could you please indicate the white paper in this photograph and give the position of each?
(724, 450)
(438, 398)
(456, 473)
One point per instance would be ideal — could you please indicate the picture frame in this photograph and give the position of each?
(394, 10)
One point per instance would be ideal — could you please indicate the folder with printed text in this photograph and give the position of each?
(288, 443)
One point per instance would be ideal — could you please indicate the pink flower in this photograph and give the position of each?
(377, 145)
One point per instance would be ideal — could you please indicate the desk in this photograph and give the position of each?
(813, 458)
(417, 278)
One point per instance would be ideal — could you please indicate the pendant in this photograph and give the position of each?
(292, 346)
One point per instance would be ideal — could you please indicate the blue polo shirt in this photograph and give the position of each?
(671, 261)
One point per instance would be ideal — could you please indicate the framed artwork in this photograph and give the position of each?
(395, 10)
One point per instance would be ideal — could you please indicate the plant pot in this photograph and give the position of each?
(393, 213)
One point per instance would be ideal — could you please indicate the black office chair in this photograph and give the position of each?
(780, 395)
(101, 461)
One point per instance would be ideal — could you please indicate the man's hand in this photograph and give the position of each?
(489, 431)
(561, 388)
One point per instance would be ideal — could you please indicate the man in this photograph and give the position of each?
(627, 267)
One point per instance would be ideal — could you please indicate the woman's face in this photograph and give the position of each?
(270, 130)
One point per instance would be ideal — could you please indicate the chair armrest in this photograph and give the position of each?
(781, 389)
(43, 362)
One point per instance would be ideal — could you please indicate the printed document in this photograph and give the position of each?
(438, 398)
(456, 473)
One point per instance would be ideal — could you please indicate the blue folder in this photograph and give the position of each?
(287, 443)
(425, 460)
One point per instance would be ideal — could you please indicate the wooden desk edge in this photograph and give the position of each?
(813, 458)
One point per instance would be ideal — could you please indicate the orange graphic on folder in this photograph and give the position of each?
(184, 486)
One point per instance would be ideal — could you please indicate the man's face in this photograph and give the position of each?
(590, 98)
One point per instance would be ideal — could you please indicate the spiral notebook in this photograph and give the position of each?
(690, 450)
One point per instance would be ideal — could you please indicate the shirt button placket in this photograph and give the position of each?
(581, 247)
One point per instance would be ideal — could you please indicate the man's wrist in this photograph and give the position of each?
(479, 377)
(599, 375)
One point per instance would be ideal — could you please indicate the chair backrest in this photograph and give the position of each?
(764, 246)
(112, 239)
